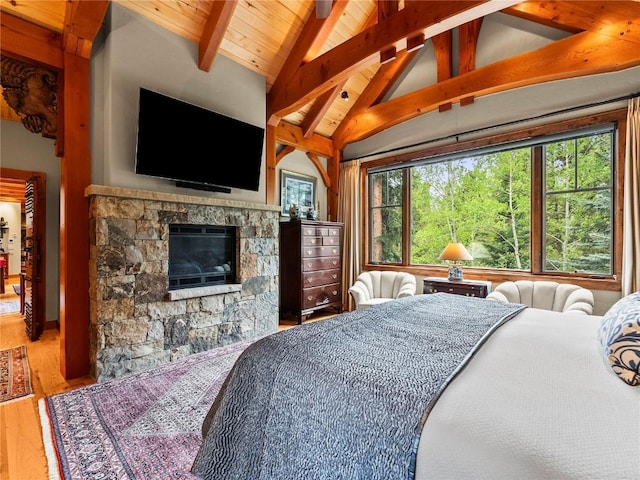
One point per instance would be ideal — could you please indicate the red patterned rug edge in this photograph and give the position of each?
(23, 373)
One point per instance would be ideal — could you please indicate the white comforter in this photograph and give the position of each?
(537, 401)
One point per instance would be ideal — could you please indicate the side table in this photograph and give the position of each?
(470, 288)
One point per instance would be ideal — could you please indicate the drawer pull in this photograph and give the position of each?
(334, 293)
(309, 252)
(334, 276)
(451, 289)
(310, 279)
(335, 262)
(313, 241)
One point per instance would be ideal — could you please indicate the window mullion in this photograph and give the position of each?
(406, 216)
(537, 208)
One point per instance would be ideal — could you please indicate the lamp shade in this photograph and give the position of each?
(455, 251)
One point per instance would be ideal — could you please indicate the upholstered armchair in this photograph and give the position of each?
(374, 287)
(559, 297)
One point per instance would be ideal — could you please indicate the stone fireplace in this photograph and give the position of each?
(136, 320)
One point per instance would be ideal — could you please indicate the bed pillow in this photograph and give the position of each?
(620, 338)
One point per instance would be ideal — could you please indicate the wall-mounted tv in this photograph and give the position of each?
(196, 147)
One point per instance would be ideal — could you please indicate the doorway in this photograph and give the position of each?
(12, 204)
(22, 195)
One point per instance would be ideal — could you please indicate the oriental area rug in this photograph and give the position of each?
(15, 378)
(145, 426)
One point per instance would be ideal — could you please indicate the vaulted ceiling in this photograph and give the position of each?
(363, 47)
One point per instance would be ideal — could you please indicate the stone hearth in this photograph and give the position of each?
(135, 321)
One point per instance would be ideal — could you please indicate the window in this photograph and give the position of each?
(481, 200)
(386, 216)
(578, 204)
(542, 205)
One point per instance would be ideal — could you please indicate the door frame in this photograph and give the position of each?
(40, 222)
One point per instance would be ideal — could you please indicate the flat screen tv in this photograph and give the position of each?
(196, 147)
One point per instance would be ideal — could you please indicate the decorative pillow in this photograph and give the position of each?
(620, 338)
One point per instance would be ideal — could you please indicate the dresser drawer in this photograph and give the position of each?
(328, 251)
(308, 231)
(321, 277)
(312, 241)
(331, 240)
(317, 296)
(320, 263)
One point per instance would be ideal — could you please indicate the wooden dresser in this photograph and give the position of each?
(310, 267)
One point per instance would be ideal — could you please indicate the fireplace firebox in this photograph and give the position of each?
(201, 255)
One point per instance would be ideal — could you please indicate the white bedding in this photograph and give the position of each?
(536, 402)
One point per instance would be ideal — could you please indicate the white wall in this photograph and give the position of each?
(23, 150)
(136, 53)
(11, 241)
(298, 162)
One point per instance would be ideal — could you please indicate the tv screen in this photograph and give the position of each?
(196, 147)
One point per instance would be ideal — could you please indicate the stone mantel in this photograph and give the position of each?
(136, 322)
(107, 191)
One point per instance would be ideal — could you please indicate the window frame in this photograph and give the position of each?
(598, 282)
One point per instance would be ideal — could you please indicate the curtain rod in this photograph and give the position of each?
(505, 124)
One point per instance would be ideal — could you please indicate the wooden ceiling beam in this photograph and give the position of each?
(286, 150)
(319, 108)
(213, 33)
(288, 134)
(386, 8)
(321, 170)
(334, 66)
(325, 30)
(579, 55)
(575, 17)
(323, 103)
(467, 44)
(82, 21)
(313, 35)
(442, 45)
(29, 42)
(378, 87)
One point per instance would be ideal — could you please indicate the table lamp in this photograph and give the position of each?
(455, 251)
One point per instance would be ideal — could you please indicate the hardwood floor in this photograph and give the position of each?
(22, 455)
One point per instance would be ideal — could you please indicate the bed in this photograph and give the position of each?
(530, 394)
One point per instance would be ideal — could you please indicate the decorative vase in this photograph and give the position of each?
(294, 212)
(312, 214)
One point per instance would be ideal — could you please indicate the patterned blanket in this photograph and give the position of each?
(344, 398)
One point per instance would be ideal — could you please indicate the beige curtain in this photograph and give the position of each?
(349, 212)
(631, 231)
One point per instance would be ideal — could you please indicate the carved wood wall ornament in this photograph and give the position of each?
(31, 92)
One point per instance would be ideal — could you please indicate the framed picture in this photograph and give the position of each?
(296, 188)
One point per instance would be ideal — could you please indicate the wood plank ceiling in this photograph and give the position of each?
(308, 61)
